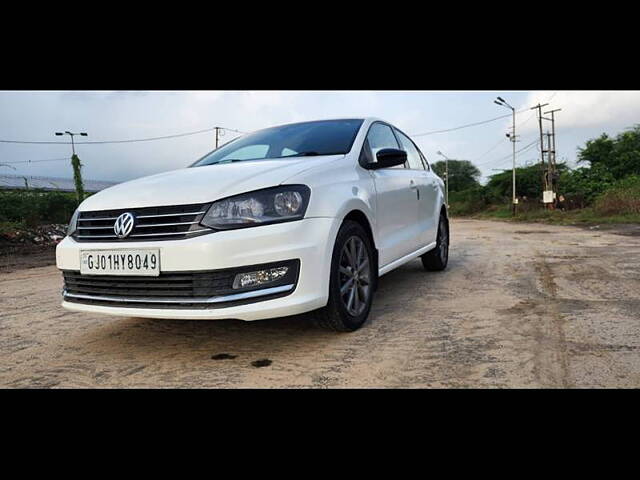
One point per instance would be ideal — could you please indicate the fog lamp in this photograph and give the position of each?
(260, 277)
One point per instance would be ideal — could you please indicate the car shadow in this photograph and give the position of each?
(159, 337)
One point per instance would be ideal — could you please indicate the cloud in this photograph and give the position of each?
(584, 109)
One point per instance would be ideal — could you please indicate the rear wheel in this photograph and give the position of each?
(351, 282)
(438, 258)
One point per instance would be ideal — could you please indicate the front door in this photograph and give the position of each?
(396, 200)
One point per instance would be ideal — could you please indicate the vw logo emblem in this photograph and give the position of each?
(124, 224)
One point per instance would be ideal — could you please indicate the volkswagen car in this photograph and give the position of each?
(296, 218)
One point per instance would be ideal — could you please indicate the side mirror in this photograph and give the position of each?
(387, 158)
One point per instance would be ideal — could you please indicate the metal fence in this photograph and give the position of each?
(24, 182)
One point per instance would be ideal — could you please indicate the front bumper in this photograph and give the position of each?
(310, 240)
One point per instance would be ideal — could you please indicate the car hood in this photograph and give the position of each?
(201, 184)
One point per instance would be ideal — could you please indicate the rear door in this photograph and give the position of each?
(427, 186)
(396, 202)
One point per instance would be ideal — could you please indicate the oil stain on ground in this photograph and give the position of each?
(223, 356)
(262, 363)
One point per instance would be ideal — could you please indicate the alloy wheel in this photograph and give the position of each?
(355, 278)
(443, 240)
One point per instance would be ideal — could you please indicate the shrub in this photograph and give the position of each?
(33, 207)
(585, 184)
(468, 202)
(622, 198)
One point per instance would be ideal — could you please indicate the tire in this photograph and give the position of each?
(348, 311)
(437, 259)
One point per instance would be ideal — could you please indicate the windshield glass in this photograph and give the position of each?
(329, 137)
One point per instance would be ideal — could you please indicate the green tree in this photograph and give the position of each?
(528, 183)
(619, 156)
(586, 182)
(462, 174)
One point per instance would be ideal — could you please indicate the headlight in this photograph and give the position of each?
(73, 223)
(262, 207)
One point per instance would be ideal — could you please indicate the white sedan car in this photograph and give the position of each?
(291, 219)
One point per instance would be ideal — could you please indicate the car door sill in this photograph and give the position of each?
(396, 263)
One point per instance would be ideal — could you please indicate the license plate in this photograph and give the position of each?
(120, 262)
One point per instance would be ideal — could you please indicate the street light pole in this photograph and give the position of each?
(446, 178)
(73, 147)
(500, 101)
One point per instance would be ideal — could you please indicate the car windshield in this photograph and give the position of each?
(329, 137)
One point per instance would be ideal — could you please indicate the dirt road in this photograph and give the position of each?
(521, 305)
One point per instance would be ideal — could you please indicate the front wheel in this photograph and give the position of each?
(352, 280)
(437, 259)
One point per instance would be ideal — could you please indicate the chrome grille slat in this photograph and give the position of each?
(165, 224)
(172, 214)
(96, 236)
(96, 228)
(95, 219)
(191, 232)
(161, 223)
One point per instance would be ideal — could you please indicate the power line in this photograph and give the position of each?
(523, 149)
(518, 125)
(533, 114)
(501, 141)
(122, 141)
(37, 161)
(465, 126)
(491, 149)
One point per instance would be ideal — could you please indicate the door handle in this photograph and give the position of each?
(414, 186)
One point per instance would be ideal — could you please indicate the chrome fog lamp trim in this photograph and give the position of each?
(218, 299)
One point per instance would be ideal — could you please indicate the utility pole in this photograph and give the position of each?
(545, 186)
(219, 133)
(77, 166)
(550, 167)
(552, 149)
(513, 137)
(446, 178)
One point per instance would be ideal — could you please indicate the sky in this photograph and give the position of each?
(123, 115)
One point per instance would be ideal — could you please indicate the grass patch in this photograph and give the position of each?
(585, 216)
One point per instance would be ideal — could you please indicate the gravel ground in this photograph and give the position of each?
(521, 305)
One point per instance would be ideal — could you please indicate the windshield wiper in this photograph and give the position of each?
(228, 160)
(312, 154)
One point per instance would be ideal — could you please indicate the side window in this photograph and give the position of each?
(381, 136)
(413, 155)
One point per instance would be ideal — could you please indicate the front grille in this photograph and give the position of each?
(152, 223)
(171, 290)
